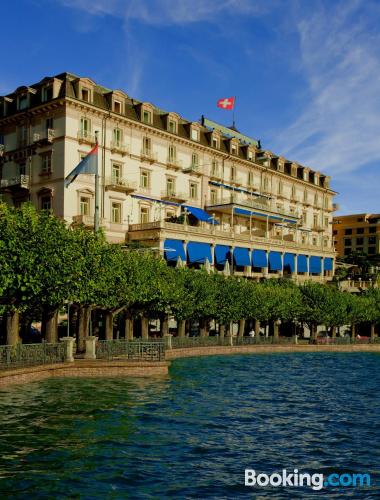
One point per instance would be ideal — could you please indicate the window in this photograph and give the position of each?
(144, 215)
(116, 213)
(117, 136)
(347, 242)
(360, 219)
(116, 173)
(326, 222)
(47, 93)
(214, 167)
(46, 203)
(46, 163)
(359, 241)
(335, 232)
(316, 200)
(315, 241)
(250, 179)
(347, 251)
(348, 231)
(117, 107)
(372, 250)
(213, 196)
(372, 240)
(86, 95)
(170, 214)
(145, 179)
(305, 175)
(294, 192)
(22, 102)
(305, 196)
(360, 230)
(372, 229)
(146, 145)
(233, 149)
(172, 126)
(49, 124)
(233, 173)
(84, 205)
(194, 160)
(172, 153)
(195, 134)
(193, 190)
(315, 220)
(147, 117)
(215, 143)
(266, 184)
(250, 155)
(279, 188)
(326, 203)
(170, 186)
(85, 127)
(23, 136)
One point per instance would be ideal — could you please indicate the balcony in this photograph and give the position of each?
(172, 195)
(85, 220)
(174, 163)
(236, 180)
(118, 147)
(148, 155)
(193, 168)
(119, 185)
(15, 183)
(216, 175)
(318, 227)
(47, 137)
(85, 137)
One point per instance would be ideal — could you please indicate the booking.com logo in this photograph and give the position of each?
(295, 479)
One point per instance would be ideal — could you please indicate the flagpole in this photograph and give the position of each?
(96, 212)
(233, 112)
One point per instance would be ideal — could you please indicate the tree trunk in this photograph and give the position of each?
(108, 320)
(373, 331)
(13, 327)
(353, 331)
(222, 331)
(49, 327)
(333, 332)
(164, 325)
(313, 332)
(144, 328)
(204, 327)
(84, 314)
(257, 328)
(276, 336)
(128, 326)
(241, 328)
(181, 328)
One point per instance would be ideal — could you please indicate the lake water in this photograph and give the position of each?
(193, 434)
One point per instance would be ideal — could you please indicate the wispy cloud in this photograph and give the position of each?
(339, 127)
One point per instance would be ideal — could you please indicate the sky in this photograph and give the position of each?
(305, 73)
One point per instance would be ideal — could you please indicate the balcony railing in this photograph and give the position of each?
(216, 174)
(174, 163)
(236, 180)
(173, 195)
(45, 137)
(85, 220)
(86, 136)
(118, 147)
(20, 181)
(192, 168)
(119, 184)
(148, 155)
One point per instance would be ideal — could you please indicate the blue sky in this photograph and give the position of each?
(306, 73)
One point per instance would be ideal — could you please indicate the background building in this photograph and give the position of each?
(198, 191)
(357, 233)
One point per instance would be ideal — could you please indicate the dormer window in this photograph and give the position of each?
(172, 126)
(86, 94)
(117, 107)
(147, 117)
(195, 134)
(215, 143)
(233, 149)
(22, 102)
(305, 175)
(250, 155)
(47, 93)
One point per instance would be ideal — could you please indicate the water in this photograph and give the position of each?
(191, 435)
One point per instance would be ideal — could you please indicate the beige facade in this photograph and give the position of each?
(155, 168)
(357, 233)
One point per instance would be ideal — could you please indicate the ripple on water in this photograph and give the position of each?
(192, 435)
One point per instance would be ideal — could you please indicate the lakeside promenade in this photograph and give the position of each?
(120, 367)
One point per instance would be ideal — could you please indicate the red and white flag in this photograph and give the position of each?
(226, 103)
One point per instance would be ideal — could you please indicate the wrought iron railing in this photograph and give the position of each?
(137, 350)
(22, 355)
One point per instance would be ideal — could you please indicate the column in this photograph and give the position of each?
(69, 346)
(90, 347)
(144, 328)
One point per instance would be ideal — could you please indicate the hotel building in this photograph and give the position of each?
(201, 193)
(357, 233)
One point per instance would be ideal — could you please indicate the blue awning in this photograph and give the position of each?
(315, 264)
(222, 254)
(328, 264)
(173, 249)
(259, 258)
(200, 214)
(241, 256)
(198, 252)
(155, 200)
(289, 262)
(275, 261)
(302, 266)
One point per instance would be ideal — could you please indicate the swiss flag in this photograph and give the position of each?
(226, 103)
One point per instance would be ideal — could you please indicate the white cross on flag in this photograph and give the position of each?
(226, 103)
